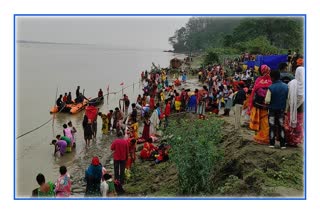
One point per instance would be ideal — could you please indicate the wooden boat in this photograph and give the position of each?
(71, 108)
(97, 101)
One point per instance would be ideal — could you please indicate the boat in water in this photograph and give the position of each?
(97, 101)
(72, 108)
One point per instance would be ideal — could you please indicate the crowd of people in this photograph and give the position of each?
(260, 100)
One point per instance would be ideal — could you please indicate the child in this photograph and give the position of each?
(73, 131)
(68, 133)
(107, 186)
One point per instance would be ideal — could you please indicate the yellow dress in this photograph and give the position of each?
(259, 122)
(105, 127)
(135, 128)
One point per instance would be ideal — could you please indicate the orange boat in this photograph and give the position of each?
(71, 108)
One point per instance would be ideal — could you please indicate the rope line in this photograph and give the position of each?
(38, 126)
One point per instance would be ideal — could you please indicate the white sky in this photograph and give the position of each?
(133, 32)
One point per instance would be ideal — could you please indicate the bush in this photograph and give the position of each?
(259, 45)
(211, 58)
(233, 186)
(194, 152)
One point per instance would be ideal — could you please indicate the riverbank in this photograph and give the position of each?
(247, 169)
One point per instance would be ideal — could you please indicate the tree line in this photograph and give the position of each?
(257, 35)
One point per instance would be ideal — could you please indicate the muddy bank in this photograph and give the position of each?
(100, 148)
(247, 170)
(250, 169)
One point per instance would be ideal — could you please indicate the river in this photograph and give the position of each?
(44, 70)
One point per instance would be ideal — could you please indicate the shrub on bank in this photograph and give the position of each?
(194, 151)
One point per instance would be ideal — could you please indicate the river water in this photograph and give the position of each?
(42, 70)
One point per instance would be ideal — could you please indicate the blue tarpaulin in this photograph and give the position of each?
(272, 61)
(250, 64)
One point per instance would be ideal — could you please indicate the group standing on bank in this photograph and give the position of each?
(259, 98)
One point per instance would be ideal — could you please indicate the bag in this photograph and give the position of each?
(259, 97)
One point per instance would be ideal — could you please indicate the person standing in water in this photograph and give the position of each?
(73, 131)
(87, 129)
(63, 184)
(45, 189)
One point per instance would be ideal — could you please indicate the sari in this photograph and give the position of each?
(260, 123)
(259, 117)
(135, 128)
(105, 122)
(132, 154)
(63, 186)
(294, 135)
(147, 150)
(93, 178)
(295, 104)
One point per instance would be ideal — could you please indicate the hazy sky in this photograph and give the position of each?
(132, 32)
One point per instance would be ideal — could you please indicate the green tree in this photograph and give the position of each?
(211, 57)
(202, 33)
(259, 45)
(282, 32)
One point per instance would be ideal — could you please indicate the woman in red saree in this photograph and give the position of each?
(146, 128)
(259, 116)
(132, 152)
(147, 150)
(294, 118)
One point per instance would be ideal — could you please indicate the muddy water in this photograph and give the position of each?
(43, 69)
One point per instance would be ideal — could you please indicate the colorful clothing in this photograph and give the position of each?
(93, 178)
(120, 155)
(177, 103)
(49, 193)
(107, 188)
(69, 144)
(63, 186)
(295, 107)
(184, 78)
(259, 122)
(62, 145)
(68, 140)
(192, 104)
(105, 127)
(68, 133)
(259, 117)
(146, 130)
(294, 136)
(132, 154)
(135, 129)
(148, 148)
(261, 82)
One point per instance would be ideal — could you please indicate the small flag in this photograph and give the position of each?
(122, 83)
